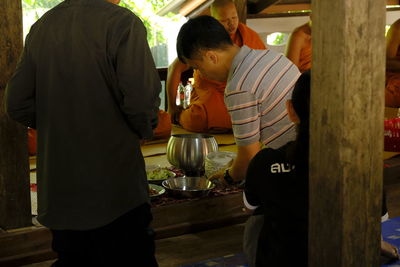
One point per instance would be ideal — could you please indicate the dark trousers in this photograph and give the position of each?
(127, 241)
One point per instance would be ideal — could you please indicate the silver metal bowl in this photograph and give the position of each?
(188, 152)
(188, 186)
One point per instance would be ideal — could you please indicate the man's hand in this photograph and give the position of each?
(218, 178)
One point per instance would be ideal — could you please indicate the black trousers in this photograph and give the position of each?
(127, 241)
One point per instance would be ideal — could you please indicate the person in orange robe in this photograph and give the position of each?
(31, 141)
(164, 126)
(298, 49)
(392, 89)
(163, 130)
(207, 111)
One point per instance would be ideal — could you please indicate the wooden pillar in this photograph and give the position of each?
(346, 148)
(15, 207)
(241, 6)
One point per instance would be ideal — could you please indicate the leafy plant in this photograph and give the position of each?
(32, 4)
(146, 10)
(276, 38)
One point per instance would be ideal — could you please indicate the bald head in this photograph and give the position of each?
(116, 2)
(225, 12)
(220, 4)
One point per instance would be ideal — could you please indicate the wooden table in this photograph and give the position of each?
(33, 244)
(188, 215)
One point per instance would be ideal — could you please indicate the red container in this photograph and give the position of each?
(392, 135)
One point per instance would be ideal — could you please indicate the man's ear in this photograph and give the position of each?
(212, 56)
(291, 113)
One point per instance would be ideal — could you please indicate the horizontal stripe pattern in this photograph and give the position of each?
(249, 68)
(255, 97)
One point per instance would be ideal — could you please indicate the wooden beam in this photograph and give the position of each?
(285, 8)
(15, 206)
(296, 14)
(241, 7)
(279, 15)
(392, 2)
(346, 143)
(190, 6)
(32, 244)
(255, 7)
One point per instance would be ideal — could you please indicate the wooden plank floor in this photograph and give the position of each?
(393, 200)
(190, 248)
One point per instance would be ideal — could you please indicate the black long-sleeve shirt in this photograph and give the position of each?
(281, 195)
(87, 82)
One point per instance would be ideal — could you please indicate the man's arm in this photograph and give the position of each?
(244, 155)
(175, 71)
(251, 195)
(392, 47)
(20, 92)
(138, 80)
(239, 166)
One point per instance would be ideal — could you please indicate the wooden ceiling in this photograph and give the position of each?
(255, 8)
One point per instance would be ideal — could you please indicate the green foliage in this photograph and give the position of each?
(32, 4)
(145, 9)
(277, 38)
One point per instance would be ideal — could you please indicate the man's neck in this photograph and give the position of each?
(231, 54)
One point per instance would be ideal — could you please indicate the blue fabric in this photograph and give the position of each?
(233, 260)
(391, 234)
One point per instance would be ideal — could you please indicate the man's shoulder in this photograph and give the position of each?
(276, 153)
(104, 8)
(250, 57)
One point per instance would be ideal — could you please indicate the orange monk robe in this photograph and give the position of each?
(392, 88)
(305, 57)
(31, 142)
(207, 109)
(164, 126)
(163, 130)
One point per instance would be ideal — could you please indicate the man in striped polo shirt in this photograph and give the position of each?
(258, 84)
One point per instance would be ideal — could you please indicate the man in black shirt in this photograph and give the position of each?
(277, 187)
(87, 82)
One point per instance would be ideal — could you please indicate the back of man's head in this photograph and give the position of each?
(201, 33)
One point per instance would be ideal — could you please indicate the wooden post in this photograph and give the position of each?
(346, 148)
(241, 6)
(15, 206)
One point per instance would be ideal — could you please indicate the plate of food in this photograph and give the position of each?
(156, 190)
(157, 174)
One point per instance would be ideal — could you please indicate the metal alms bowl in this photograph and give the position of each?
(188, 151)
(188, 186)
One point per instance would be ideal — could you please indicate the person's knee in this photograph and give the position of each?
(194, 119)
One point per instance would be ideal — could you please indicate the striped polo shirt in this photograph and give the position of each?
(259, 83)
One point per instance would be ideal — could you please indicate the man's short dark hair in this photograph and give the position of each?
(201, 33)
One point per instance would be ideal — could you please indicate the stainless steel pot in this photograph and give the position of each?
(188, 152)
